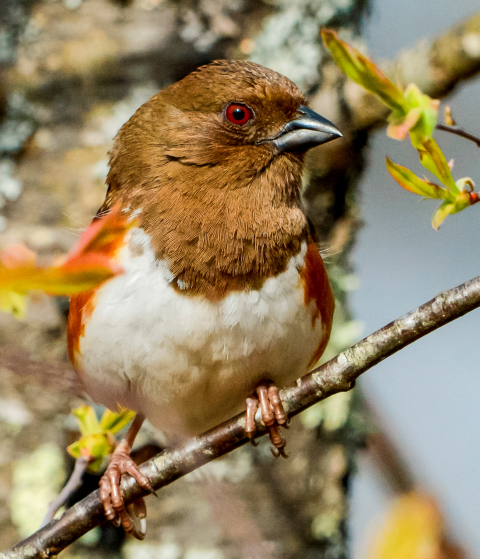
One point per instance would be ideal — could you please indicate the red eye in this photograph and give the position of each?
(238, 114)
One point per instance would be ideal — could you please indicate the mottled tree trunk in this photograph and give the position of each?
(73, 72)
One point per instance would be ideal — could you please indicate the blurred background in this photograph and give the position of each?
(389, 470)
(425, 396)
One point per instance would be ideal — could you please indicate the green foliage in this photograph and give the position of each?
(97, 440)
(364, 72)
(414, 114)
(88, 265)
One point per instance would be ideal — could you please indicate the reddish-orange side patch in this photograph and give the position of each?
(81, 309)
(317, 288)
(104, 238)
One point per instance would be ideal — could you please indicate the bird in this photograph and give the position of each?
(224, 297)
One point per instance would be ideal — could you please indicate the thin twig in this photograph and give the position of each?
(459, 131)
(338, 375)
(72, 485)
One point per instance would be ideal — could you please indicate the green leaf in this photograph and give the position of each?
(95, 446)
(90, 263)
(362, 71)
(428, 107)
(428, 120)
(97, 440)
(412, 111)
(446, 208)
(466, 183)
(432, 158)
(87, 420)
(401, 125)
(114, 422)
(462, 201)
(409, 181)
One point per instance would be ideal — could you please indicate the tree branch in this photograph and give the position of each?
(73, 484)
(458, 131)
(338, 375)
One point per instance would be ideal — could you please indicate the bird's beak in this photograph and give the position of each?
(305, 132)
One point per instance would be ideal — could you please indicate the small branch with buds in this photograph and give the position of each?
(458, 131)
(338, 375)
(452, 127)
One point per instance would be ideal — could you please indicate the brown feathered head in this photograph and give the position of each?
(230, 114)
(212, 166)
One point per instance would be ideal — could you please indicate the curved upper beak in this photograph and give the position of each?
(305, 132)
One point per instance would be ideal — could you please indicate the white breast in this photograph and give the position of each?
(185, 362)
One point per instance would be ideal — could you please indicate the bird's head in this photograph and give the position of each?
(224, 126)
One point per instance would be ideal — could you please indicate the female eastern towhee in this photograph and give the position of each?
(224, 294)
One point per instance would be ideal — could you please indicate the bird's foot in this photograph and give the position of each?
(273, 415)
(111, 493)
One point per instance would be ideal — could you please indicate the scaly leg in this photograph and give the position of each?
(267, 396)
(110, 491)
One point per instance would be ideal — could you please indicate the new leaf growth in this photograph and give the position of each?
(414, 114)
(88, 265)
